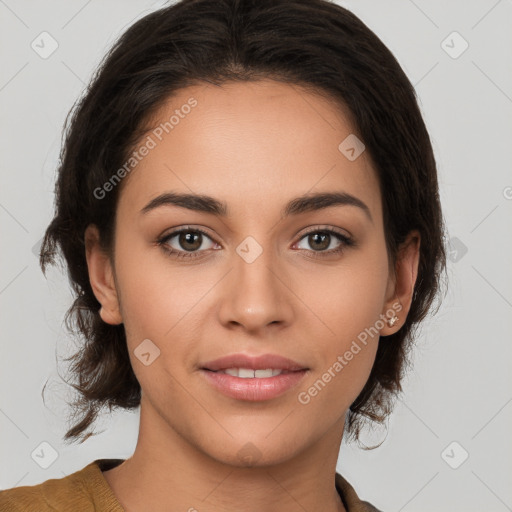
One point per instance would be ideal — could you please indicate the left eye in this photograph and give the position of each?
(322, 240)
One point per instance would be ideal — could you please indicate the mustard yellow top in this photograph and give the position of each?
(87, 490)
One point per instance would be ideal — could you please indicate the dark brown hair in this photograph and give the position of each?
(315, 44)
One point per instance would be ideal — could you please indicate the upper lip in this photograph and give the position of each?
(261, 362)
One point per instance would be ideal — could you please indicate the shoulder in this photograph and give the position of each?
(83, 490)
(350, 499)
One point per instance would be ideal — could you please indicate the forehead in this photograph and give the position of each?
(248, 142)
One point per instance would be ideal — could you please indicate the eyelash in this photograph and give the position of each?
(345, 242)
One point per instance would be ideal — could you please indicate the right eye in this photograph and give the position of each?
(188, 243)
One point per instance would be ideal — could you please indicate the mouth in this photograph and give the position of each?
(250, 373)
(253, 378)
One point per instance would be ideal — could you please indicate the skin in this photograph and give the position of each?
(246, 144)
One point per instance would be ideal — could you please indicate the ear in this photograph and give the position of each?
(401, 285)
(101, 277)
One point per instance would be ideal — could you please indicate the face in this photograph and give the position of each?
(301, 280)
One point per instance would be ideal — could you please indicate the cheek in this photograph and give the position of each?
(350, 297)
(163, 303)
(348, 302)
(154, 295)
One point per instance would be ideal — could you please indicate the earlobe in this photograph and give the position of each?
(406, 273)
(101, 277)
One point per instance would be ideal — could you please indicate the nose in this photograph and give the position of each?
(256, 294)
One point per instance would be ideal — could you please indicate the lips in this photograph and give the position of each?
(253, 378)
(255, 389)
(262, 362)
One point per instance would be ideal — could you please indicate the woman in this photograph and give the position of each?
(248, 207)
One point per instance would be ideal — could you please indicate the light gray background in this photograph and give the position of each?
(460, 389)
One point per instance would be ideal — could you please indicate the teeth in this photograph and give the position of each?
(248, 373)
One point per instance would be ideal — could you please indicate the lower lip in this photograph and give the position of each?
(256, 389)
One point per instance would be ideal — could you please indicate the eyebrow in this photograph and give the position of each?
(296, 206)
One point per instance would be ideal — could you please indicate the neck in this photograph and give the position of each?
(167, 472)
